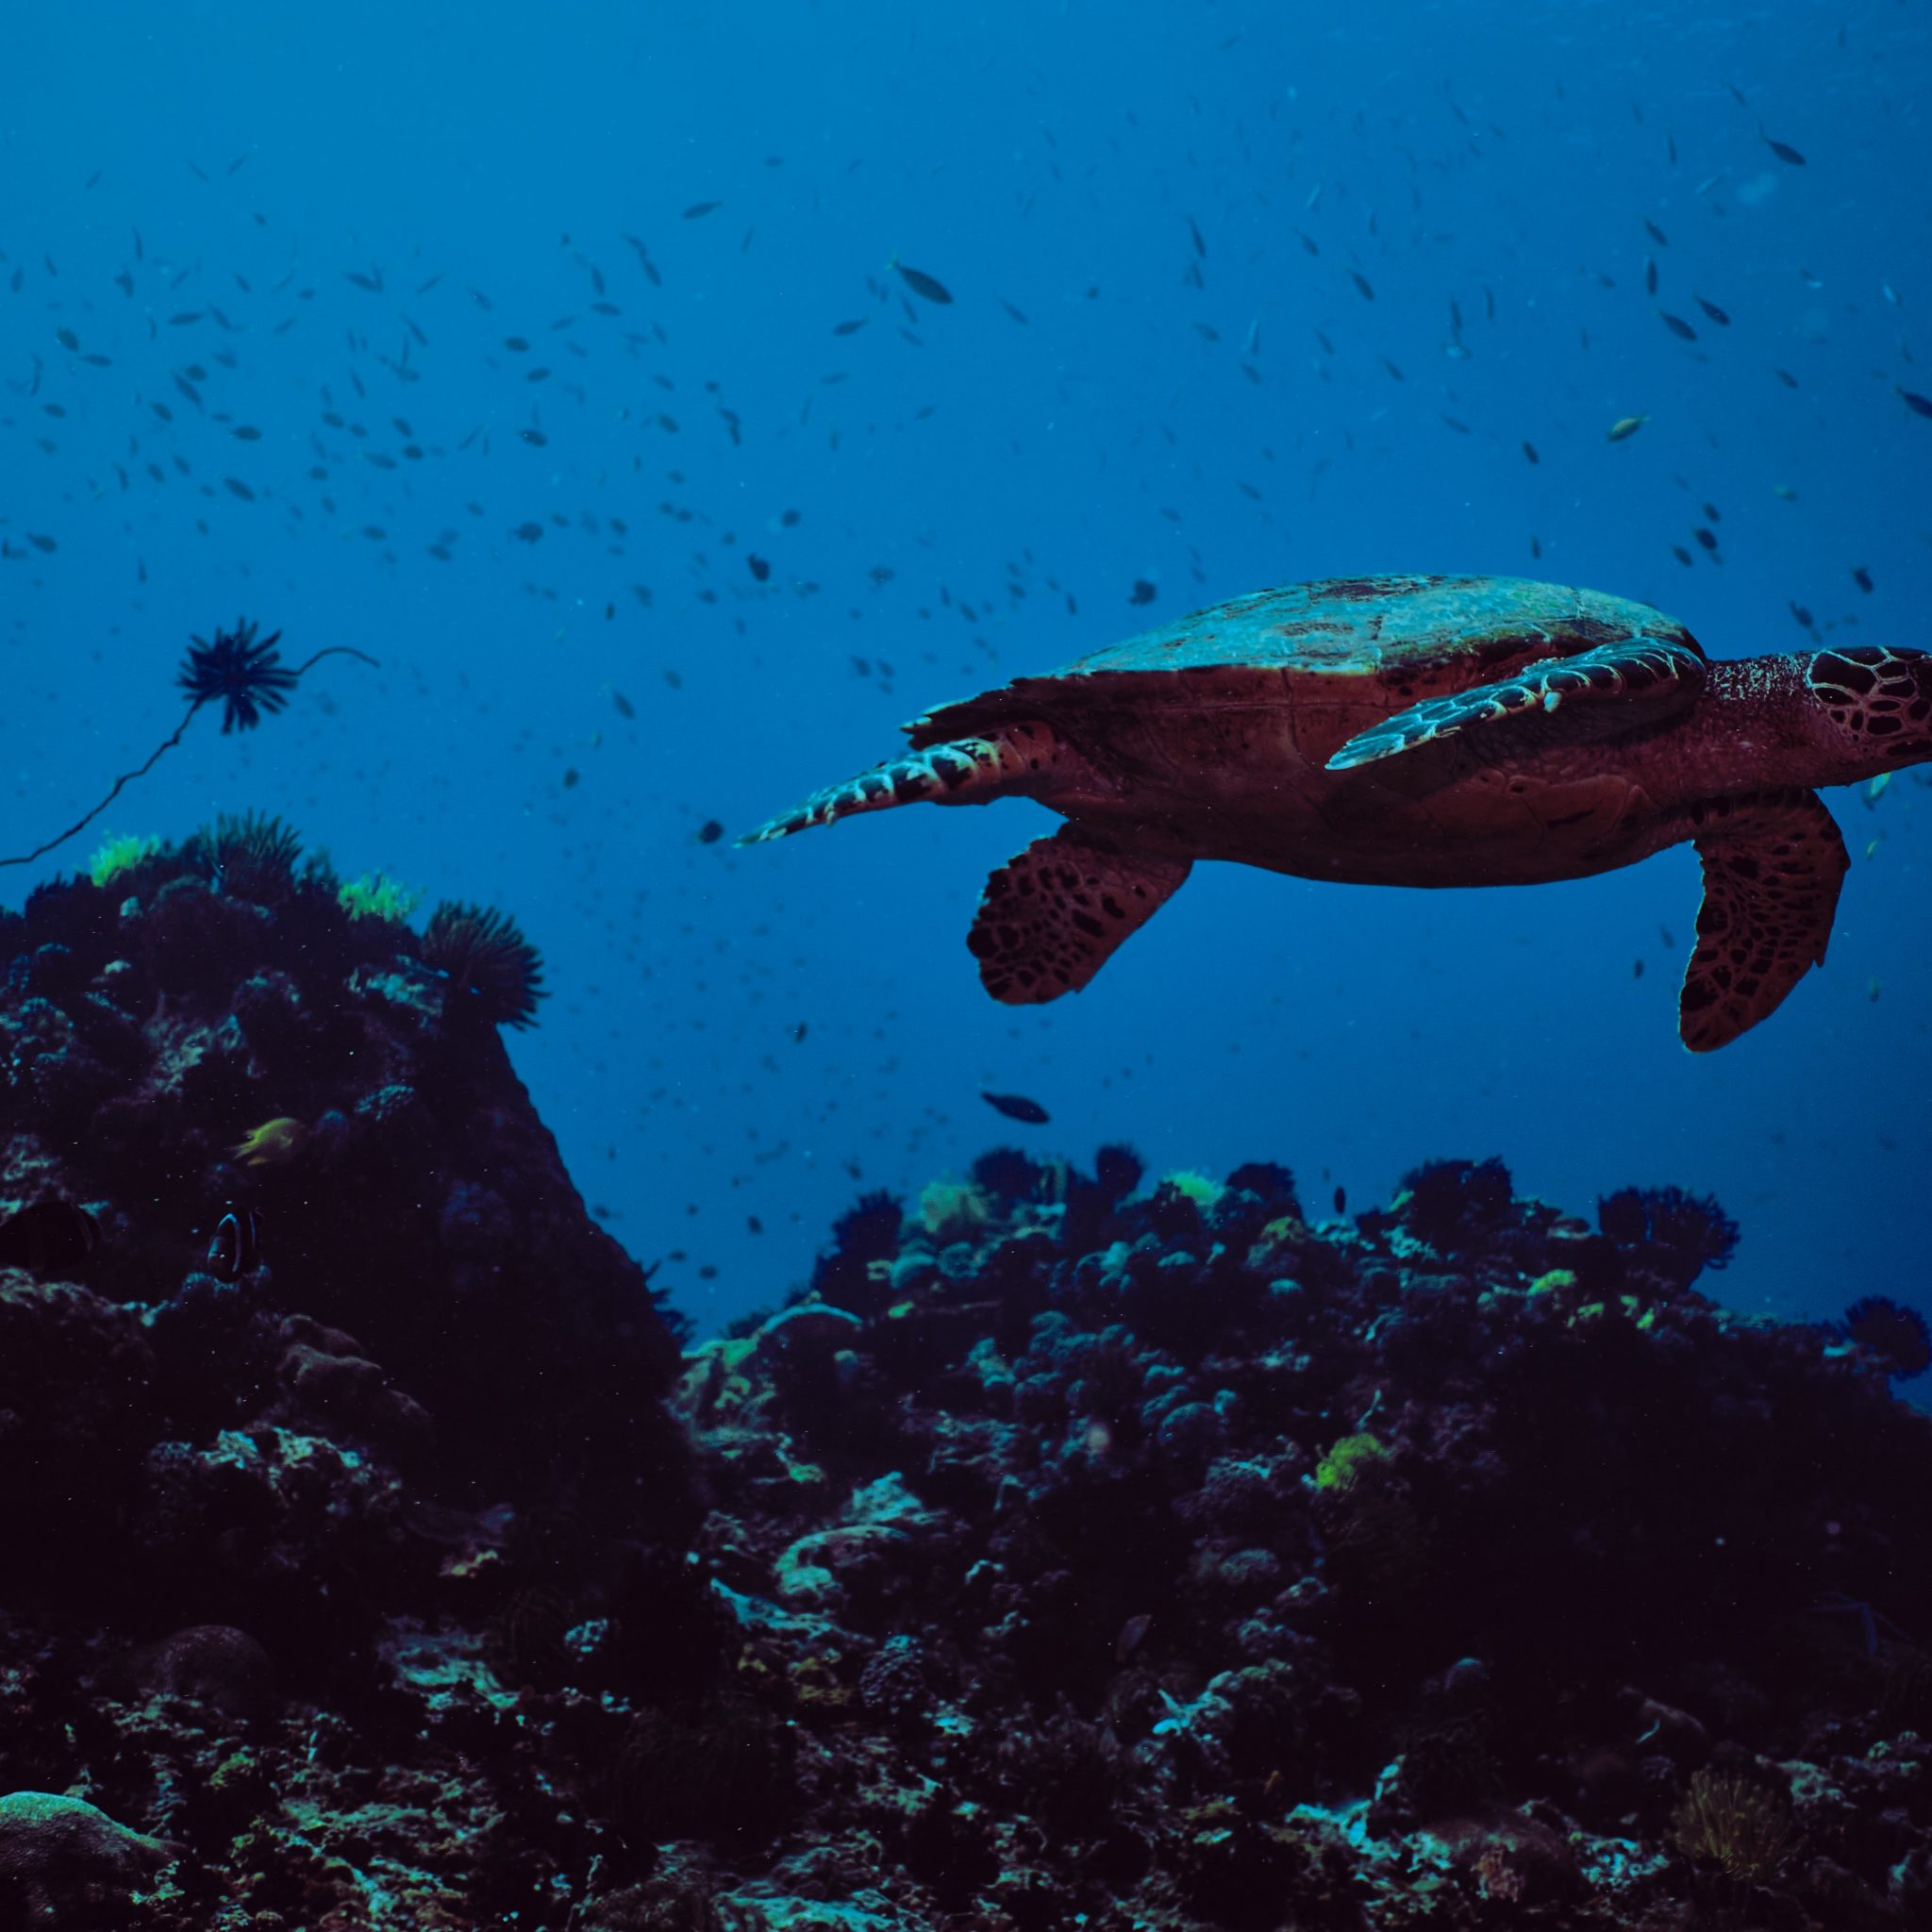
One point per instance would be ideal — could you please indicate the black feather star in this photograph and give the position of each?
(248, 678)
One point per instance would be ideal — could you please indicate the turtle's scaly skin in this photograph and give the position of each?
(1419, 731)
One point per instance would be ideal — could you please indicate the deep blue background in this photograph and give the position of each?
(1500, 158)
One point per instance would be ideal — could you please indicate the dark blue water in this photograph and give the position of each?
(738, 1040)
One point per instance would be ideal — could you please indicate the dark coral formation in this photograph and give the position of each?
(242, 1499)
(1891, 1333)
(1164, 1561)
(1077, 1549)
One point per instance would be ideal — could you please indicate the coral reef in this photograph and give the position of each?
(267, 1498)
(1074, 1549)
(1153, 1559)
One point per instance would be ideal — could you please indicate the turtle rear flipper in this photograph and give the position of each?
(1053, 914)
(960, 771)
(1772, 864)
(1602, 693)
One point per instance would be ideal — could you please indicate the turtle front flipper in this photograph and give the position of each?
(961, 771)
(1053, 914)
(1604, 692)
(1772, 864)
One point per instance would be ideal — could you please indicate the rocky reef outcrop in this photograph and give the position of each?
(1076, 1548)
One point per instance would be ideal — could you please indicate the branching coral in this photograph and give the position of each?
(1342, 1468)
(1690, 1230)
(1446, 1202)
(869, 1229)
(1742, 1827)
(955, 1210)
(1117, 1170)
(492, 970)
(118, 856)
(1897, 1335)
(376, 896)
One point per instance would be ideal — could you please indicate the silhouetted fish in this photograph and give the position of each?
(923, 284)
(235, 1248)
(1016, 1106)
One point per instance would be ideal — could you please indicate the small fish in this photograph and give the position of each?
(710, 832)
(1677, 326)
(1862, 577)
(1711, 309)
(1707, 538)
(1918, 405)
(1650, 274)
(1016, 1106)
(275, 1143)
(1361, 283)
(623, 705)
(1529, 451)
(1200, 246)
(921, 284)
(1787, 155)
(1655, 233)
(758, 567)
(1142, 593)
(1626, 428)
(1341, 1200)
(699, 208)
(236, 1246)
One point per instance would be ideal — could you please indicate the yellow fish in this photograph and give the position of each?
(275, 1143)
(1625, 425)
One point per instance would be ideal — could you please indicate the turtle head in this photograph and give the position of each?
(1878, 701)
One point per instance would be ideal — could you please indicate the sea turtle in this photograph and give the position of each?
(1417, 731)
